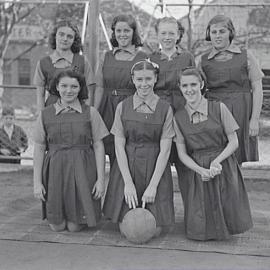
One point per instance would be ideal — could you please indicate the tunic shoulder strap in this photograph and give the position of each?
(86, 109)
(46, 67)
(204, 58)
(47, 113)
(78, 63)
(214, 109)
(162, 108)
(127, 104)
(108, 55)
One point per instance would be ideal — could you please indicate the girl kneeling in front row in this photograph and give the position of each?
(69, 159)
(143, 135)
(215, 199)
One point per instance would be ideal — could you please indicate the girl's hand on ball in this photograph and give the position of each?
(130, 195)
(149, 194)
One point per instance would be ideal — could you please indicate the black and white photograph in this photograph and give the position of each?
(135, 134)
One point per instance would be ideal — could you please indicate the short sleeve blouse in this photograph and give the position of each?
(39, 78)
(99, 130)
(228, 122)
(118, 129)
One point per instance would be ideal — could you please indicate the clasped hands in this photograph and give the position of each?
(215, 169)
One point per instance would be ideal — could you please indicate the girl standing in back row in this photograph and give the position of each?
(65, 41)
(233, 76)
(171, 60)
(114, 82)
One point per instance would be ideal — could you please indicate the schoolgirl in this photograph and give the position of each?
(171, 59)
(216, 203)
(65, 41)
(143, 132)
(234, 77)
(114, 82)
(69, 157)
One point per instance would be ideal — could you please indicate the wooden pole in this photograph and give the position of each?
(92, 40)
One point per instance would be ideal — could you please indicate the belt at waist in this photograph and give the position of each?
(168, 92)
(55, 147)
(120, 92)
(142, 144)
(208, 150)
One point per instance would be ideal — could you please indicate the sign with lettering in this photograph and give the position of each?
(27, 32)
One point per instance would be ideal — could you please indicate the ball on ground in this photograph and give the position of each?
(138, 225)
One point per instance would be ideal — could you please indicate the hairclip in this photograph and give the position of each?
(155, 65)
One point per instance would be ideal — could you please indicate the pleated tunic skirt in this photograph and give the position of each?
(143, 133)
(217, 208)
(228, 82)
(69, 168)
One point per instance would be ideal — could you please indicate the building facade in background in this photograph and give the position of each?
(28, 42)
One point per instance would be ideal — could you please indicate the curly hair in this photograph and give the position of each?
(71, 74)
(77, 43)
(180, 27)
(136, 39)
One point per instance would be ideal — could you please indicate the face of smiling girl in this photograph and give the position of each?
(123, 34)
(190, 86)
(168, 34)
(144, 81)
(220, 36)
(68, 89)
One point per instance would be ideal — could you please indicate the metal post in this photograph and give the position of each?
(92, 39)
(86, 8)
(105, 32)
(164, 6)
(44, 1)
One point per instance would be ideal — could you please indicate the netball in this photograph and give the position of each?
(138, 225)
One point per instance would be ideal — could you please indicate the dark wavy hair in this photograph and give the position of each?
(180, 27)
(77, 43)
(221, 19)
(136, 40)
(8, 110)
(71, 74)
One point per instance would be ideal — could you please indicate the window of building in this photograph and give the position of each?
(266, 79)
(24, 72)
(7, 72)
